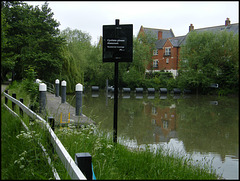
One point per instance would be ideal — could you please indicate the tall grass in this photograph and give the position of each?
(21, 156)
(115, 161)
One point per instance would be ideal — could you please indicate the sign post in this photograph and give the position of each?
(117, 47)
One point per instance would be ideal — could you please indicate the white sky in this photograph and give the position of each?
(90, 16)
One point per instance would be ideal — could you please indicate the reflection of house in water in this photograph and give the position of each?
(164, 121)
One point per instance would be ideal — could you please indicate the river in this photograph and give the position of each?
(203, 127)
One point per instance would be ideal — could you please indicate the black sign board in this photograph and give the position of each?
(117, 43)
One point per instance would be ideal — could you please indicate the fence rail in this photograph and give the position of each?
(44, 150)
(70, 165)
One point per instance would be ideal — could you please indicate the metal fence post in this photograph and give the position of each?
(84, 163)
(42, 96)
(13, 104)
(79, 89)
(20, 110)
(63, 91)
(56, 87)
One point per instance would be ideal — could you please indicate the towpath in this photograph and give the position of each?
(55, 108)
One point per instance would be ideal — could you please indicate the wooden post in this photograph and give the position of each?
(84, 163)
(13, 104)
(31, 119)
(6, 99)
(51, 122)
(20, 110)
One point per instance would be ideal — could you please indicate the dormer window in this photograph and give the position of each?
(168, 51)
(155, 52)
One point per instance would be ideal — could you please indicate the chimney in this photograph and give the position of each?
(227, 22)
(159, 35)
(191, 27)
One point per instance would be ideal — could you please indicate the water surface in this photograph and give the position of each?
(203, 127)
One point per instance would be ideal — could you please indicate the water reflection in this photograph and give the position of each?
(202, 126)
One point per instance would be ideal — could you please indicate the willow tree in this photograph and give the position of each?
(74, 52)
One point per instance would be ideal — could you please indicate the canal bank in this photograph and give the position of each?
(64, 113)
(116, 161)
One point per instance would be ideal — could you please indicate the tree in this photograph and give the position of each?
(74, 53)
(207, 58)
(134, 74)
(32, 40)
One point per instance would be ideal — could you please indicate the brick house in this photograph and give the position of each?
(167, 50)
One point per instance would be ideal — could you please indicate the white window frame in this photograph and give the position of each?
(167, 61)
(167, 50)
(155, 52)
(155, 63)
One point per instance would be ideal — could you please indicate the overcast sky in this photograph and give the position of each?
(90, 16)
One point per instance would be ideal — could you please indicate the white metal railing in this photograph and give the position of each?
(44, 150)
(70, 165)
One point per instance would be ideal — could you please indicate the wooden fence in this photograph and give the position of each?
(70, 165)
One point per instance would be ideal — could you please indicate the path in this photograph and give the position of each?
(55, 108)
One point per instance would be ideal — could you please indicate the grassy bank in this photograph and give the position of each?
(110, 161)
(21, 156)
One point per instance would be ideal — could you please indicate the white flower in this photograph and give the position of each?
(109, 146)
(16, 161)
(31, 123)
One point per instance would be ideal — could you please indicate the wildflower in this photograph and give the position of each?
(31, 123)
(16, 161)
(18, 136)
(109, 146)
(23, 153)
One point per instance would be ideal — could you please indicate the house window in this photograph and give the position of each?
(155, 63)
(167, 60)
(155, 52)
(154, 111)
(165, 124)
(167, 51)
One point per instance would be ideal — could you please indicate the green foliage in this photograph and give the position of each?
(22, 158)
(132, 78)
(209, 57)
(32, 39)
(31, 87)
(116, 161)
